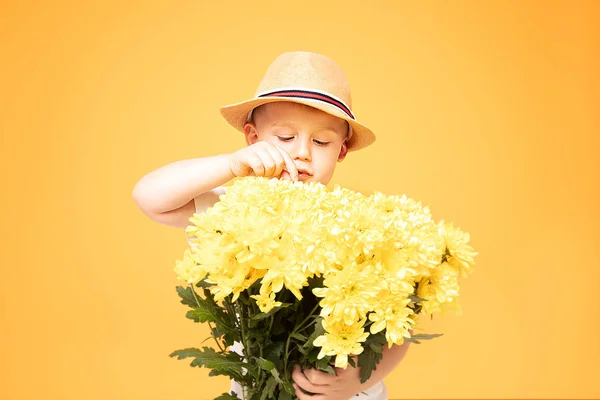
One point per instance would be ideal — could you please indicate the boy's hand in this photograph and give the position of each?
(327, 386)
(263, 159)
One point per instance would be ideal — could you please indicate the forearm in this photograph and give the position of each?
(390, 359)
(182, 180)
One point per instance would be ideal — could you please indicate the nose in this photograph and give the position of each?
(302, 150)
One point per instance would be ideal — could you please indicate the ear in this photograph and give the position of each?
(343, 151)
(251, 133)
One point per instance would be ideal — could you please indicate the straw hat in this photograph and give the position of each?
(305, 78)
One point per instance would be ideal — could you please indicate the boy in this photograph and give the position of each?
(297, 127)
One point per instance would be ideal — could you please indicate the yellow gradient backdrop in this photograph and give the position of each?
(485, 111)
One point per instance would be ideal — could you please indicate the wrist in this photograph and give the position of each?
(230, 159)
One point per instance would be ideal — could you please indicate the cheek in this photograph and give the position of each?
(333, 154)
(328, 160)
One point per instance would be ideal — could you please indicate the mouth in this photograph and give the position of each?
(303, 174)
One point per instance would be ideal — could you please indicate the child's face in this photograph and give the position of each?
(315, 140)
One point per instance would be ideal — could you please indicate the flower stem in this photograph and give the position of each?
(297, 329)
(241, 309)
(300, 327)
(285, 357)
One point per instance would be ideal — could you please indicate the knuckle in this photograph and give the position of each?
(254, 162)
(317, 380)
(257, 168)
(311, 375)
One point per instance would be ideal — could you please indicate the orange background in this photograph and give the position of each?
(485, 111)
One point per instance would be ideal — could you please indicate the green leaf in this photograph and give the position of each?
(425, 336)
(264, 364)
(204, 284)
(416, 339)
(269, 389)
(200, 315)
(351, 362)
(187, 296)
(319, 330)
(312, 356)
(275, 349)
(285, 395)
(367, 362)
(298, 336)
(417, 308)
(216, 333)
(301, 348)
(231, 336)
(260, 316)
(273, 352)
(370, 357)
(268, 366)
(205, 309)
(323, 365)
(220, 364)
(329, 369)
(376, 342)
(416, 299)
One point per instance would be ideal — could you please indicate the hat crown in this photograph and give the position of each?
(309, 71)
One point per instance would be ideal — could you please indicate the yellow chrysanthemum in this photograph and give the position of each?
(441, 287)
(266, 302)
(286, 275)
(231, 279)
(348, 294)
(188, 269)
(392, 314)
(459, 254)
(444, 279)
(341, 340)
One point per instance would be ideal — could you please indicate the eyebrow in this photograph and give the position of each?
(287, 124)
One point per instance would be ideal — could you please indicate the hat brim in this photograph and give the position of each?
(237, 116)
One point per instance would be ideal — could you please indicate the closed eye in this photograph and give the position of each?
(285, 138)
(320, 143)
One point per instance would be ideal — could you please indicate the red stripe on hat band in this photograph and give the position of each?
(306, 94)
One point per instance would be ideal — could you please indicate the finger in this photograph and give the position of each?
(302, 380)
(285, 176)
(278, 159)
(267, 161)
(304, 396)
(256, 165)
(320, 378)
(290, 165)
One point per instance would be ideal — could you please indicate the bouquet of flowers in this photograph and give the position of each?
(295, 273)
